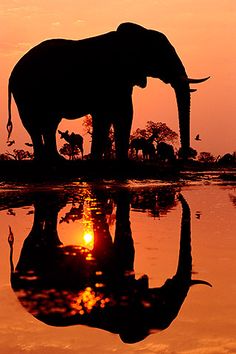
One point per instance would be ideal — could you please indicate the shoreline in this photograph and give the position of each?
(29, 170)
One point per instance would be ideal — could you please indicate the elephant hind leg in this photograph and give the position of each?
(43, 138)
(38, 145)
(101, 127)
(30, 122)
(37, 140)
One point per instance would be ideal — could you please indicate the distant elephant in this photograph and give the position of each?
(226, 159)
(165, 152)
(75, 141)
(144, 144)
(71, 78)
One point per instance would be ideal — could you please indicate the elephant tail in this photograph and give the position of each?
(9, 123)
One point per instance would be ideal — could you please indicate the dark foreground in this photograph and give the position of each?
(12, 170)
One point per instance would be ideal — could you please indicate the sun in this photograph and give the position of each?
(88, 239)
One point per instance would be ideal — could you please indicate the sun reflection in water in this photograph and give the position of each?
(88, 239)
(87, 300)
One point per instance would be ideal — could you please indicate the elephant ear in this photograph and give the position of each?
(131, 42)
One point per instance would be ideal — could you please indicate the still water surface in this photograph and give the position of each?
(118, 268)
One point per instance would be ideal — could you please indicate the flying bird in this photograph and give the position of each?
(28, 144)
(198, 137)
(198, 215)
(10, 142)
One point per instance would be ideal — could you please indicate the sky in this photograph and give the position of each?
(203, 33)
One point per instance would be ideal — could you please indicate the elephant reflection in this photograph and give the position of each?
(155, 202)
(232, 197)
(61, 78)
(68, 285)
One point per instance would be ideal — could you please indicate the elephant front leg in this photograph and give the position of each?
(38, 146)
(50, 146)
(100, 135)
(122, 127)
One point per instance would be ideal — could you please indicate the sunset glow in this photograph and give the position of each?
(88, 239)
(202, 32)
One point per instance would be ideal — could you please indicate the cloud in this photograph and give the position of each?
(56, 24)
(79, 21)
(8, 48)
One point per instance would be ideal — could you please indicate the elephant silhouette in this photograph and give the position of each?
(75, 141)
(165, 152)
(226, 159)
(232, 197)
(72, 285)
(61, 78)
(144, 144)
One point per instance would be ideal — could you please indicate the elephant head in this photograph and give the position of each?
(150, 54)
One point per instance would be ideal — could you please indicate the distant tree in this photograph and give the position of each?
(66, 150)
(206, 157)
(20, 154)
(5, 157)
(164, 133)
(88, 124)
(139, 133)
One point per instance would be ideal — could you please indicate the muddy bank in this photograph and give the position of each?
(17, 170)
(69, 170)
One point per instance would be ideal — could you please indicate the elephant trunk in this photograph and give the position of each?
(182, 92)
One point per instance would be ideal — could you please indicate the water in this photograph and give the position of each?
(86, 268)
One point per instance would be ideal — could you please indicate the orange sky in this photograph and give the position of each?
(203, 33)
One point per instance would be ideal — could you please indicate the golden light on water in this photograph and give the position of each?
(87, 300)
(88, 239)
(88, 235)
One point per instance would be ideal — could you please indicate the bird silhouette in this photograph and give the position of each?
(29, 144)
(198, 137)
(10, 142)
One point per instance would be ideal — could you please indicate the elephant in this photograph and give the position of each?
(75, 141)
(64, 285)
(227, 159)
(147, 147)
(61, 78)
(165, 152)
(144, 144)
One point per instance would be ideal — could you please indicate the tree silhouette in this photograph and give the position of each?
(164, 133)
(66, 150)
(88, 124)
(206, 157)
(5, 157)
(19, 154)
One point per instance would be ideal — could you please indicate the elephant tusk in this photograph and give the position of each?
(203, 282)
(197, 81)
